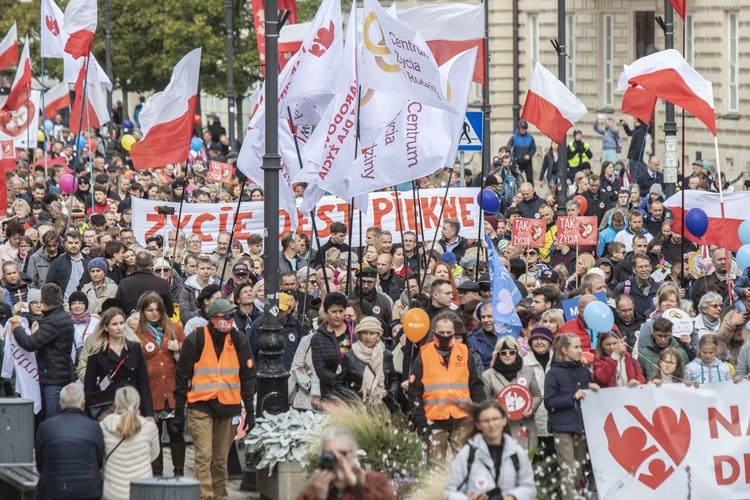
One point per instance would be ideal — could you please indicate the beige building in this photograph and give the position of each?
(602, 35)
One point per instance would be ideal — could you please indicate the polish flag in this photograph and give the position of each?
(291, 37)
(550, 105)
(667, 75)
(94, 111)
(449, 30)
(9, 49)
(167, 118)
(19, 92)
(680, 6)
(58, 97)
(735, 208)
(636, 102)
(80, 23)
(53, 36)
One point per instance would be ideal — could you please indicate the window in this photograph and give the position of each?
(645, 41)
(534, 38)
(733, 67)
(570, 50)
(689, 40)
(607, 65)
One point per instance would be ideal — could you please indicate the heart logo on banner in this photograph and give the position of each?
(585, 230)
(632, 449)
(536, 232)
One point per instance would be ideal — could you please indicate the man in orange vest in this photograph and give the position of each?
(215, 375)
(443, 376)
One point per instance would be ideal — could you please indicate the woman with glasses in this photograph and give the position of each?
(24, 250)
(668, 297)
(508, 368)
(531, 256)
(194, 244)
(101, 286)
(491, 464)
(708, 319)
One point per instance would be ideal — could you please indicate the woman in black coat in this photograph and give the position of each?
(367, 369)
(115, 362)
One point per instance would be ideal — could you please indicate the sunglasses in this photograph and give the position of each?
(163, 270)
(530, 252)
(508, 352)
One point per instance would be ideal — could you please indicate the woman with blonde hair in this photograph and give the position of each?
(162, 341)
(583, 263)
(128, 439)
(441, 270)
(552, 319)
(112, 363)
(508, 368)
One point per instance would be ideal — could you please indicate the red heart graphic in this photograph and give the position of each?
(630, 449)
(536, 232)
(585, 230)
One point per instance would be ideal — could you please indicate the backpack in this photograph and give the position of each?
(470, 462)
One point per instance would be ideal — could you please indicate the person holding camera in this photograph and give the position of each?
(337, 475)
(491, 464)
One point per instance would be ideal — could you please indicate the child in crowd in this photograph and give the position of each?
(706, 367)
(671, 369)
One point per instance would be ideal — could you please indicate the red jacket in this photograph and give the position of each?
(605, 371)
(577, 327)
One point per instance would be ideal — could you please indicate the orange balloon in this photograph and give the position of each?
(587, 357)
(416, 324)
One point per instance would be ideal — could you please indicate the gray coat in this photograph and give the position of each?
(37, 266)
(494, 382)
(540, 415)
(481, 477)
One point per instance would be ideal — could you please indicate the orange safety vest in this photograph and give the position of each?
(445, 385)
(216, 378)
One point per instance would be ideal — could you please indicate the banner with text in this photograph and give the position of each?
(528, 233)
(572, 231)
(671, 441)
(208, 220)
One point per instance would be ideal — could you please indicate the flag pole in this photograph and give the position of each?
(682, 163)
(349, 254)
(440, 217)
(44, 144)
(416, 229)
(721, 195)
(80, 125)
(231, 234)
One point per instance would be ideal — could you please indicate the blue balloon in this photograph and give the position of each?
(696, 221)
(48, 125)
(488, 200)
(743, 257)
(81, 142)
(599, 317)
(127, 125)
(196, 144)
(744, 232)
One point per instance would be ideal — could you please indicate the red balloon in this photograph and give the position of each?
(587, 357)
(91, 145)
(582, 202)
(197, 119)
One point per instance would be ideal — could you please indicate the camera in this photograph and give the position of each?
(165, 210)
(327, 461)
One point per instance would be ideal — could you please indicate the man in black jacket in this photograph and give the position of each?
(67, 270)
(391, 284)
(635, 150)
(141, 281)
(628, 319)
(451, 240)
(70, 451)
(53, 343)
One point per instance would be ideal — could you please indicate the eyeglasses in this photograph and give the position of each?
(162, 270)
(508, 352)
(531, 253)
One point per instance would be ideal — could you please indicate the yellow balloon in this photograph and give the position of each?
(127, 141)
(40, 136)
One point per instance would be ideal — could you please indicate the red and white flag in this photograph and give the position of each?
(18, 116)
(550, 105)
(450, 29)
(9, 49)
(680, 6)
(94, 112)
(259, 21)
(56, 98)
(667, 75)
(636, 102)
(291, 37)
(80, 24)
(72, 68)
(167, 117)
(53, 36)
(735, 212)
(19, 92)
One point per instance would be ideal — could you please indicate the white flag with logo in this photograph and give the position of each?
(396, 59)
(53, 36)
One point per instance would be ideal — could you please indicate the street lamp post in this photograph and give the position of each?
(670, 126)
(110, 147)
(562, 149)
(230, 69)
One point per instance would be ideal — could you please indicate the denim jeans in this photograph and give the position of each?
(51, 401)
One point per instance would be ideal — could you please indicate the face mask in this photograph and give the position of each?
(221, 324)
(444, 343)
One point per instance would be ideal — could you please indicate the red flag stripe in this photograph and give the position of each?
(150, 152)
(79, 43)
(639, 104)
(680, 6)
(546, 117)
(445, 50)
(9, 57)
(51, 107)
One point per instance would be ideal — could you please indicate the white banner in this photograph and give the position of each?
(23, 363)
(670, 442)
(208, 220)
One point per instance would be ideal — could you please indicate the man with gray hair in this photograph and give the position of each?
(69, 451)
(337, 475)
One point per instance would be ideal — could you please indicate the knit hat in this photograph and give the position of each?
(369, 324)
(34, 295)
(99, 263)
(161, 263)
(541, 332)
(207, 292)
(238, 289)
(598, 272)
(492, 221)
(79, 296)
(502, 245)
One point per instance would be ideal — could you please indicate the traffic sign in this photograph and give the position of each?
(471, 134)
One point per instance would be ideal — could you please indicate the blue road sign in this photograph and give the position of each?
(471, 135)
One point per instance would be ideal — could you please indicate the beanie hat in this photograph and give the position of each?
(492, 221)
(204, 294)
(369, 324)
(541, 332)
(99, 263)
(79, 296)
(34, 295)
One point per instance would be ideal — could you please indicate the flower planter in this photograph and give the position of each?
(286, 481)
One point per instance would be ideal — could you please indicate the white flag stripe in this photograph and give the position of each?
(80, 15)
(452, 21)
(546, 85)
(10, 39)
(53, 35)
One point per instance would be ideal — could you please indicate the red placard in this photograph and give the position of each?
(528, 233)
(8, 150)
(220, 172)
(517, 399)
(577, 231)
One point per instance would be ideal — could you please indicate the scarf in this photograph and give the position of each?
(373, 378)
(711, 326)
(82, 318)
(508, 371)
(258, 305)
(156, 330)
(542, 358)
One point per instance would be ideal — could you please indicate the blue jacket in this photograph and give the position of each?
(483, 345)
(607, 236)
(522, 145)
(563, 379)
(610, 134)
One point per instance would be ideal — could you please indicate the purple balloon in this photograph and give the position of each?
(68, 184)
(696, 221)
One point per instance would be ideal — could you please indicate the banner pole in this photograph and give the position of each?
(231, 233)
(577, 248)
(44, 156)
(416, 231)
(351, 250)
(440, 217)
(80, 125)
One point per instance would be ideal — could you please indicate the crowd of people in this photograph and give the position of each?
(132, 337)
